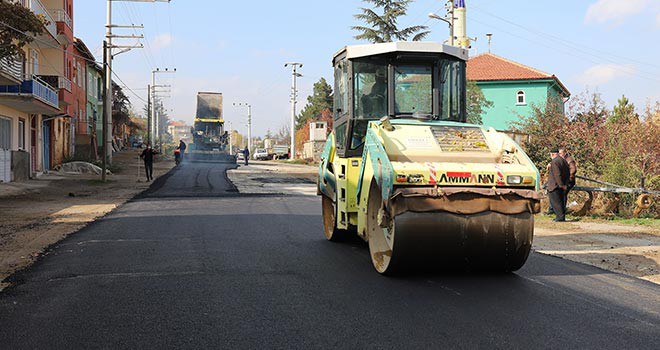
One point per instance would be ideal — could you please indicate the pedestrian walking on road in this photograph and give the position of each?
(246, 154)
(177, 156)
(182, 148)
(148, 156)
(558, 177)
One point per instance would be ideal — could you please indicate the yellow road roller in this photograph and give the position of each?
(404, 171)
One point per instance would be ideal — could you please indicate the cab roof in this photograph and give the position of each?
(357, 51)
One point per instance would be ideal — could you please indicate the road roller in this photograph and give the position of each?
(403, 170)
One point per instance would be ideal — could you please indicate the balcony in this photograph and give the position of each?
(64, 26)
(11, 70)
(61, 16)
(30, 96)
(57, 81)
(38, 8)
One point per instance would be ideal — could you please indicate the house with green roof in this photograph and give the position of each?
(513, 88)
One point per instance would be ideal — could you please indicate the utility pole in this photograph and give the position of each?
(450, 15)
(231, 150)
(107, 72)
(149, 114)
(155, 118)
(449, 19)
(249, 122)
(294, 95)
(105, 117)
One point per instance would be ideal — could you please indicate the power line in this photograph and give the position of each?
(129, 13)
(563, 41)
(74, 55)
(169, 15)
(571, 53)
(129, 89)
(51, 46)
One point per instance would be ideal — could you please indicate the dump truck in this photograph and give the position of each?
(276, 151)
(210, 140)
(404, 171)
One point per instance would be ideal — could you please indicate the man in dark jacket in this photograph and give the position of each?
(246, 153)
(182, 148)
(572, 167)
(148, 156)
(558, 177)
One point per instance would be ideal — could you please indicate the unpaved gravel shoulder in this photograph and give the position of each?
(271, 177)
(632, 250)
(38, 213)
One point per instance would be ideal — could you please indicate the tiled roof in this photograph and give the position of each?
(487, 66)
(490, 67)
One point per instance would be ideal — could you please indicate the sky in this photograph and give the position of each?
(239, 48)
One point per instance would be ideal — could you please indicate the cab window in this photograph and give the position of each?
(370, 90)
(452, 79)
(358, 133)
(341, 89)
(340, 138)
(413, 90)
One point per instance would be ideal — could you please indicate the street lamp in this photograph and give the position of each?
(249, 121)
(449, 21)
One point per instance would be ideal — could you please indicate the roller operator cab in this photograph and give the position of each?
(403, 171)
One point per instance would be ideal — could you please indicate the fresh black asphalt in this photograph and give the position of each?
(193, 264)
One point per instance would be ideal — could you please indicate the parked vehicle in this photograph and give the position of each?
(261, 154)
(279, 152)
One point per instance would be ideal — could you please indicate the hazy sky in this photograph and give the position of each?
(239, 47)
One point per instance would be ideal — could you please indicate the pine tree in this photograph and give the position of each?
(476, 103)
(623, 112)
(320, 100)
(383, 28)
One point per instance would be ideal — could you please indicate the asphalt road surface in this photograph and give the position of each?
(194, 264)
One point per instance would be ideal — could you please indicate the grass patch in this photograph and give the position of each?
(546, 220)
(650, 222)
(299, 162)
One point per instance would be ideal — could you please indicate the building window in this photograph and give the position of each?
(21, 134)
(35, 61)
(5, 133)
(81, 74)
(520, 98)
(99, 88)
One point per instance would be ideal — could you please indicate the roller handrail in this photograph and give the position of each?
(614, 189)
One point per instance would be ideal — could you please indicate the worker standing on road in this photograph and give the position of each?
(182, 148)
(558, 175)
(572, 167)
(246, 154)
(148, 156)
